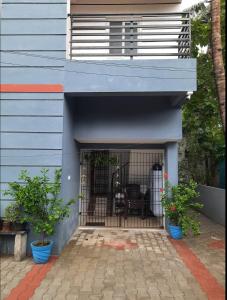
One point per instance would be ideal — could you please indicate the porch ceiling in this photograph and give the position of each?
(176, 99)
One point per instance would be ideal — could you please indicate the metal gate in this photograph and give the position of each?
(121, 188)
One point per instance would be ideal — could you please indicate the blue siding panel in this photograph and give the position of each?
(32, 96)
(33, 42)
(4, 204)
(31, 124)
(22, 157)
(20, 27)
(3, 187)
(34, 58)
(35, 10)
(12, 2)
(31, 140)
(31, 108)
(9, 174)
(32, 75)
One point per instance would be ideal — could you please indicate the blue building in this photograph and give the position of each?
(96, 89)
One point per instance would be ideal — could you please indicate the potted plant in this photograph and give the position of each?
(14, 214)
(42, 208)
(181, 208)
(5, 225)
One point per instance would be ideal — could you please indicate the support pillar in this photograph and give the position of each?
(20, 246)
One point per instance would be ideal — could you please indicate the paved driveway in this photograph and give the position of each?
(117, 264)
(124, 264)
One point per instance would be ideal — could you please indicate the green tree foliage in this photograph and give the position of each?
(39, 199)
(202, 129)
(181, 207)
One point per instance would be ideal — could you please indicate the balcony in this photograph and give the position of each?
(130, 36)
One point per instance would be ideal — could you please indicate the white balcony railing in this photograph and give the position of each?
(130, 36)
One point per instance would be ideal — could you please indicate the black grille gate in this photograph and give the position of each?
(121, 188)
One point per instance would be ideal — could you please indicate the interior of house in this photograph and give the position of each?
(121, 188)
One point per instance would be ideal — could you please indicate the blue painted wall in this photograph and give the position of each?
(70, 176)
(155, 75)
(41, 129)
(126, 120)
(31, 123)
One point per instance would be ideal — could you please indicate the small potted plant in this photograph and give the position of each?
(181, 208)
(14, 214)
(42, 208)
(6, 224)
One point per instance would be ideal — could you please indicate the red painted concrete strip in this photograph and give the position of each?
(217, 245)
(120, 245)
(32, 280)
(208, 283)
(31, 88)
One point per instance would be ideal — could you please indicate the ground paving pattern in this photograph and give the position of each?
(12, 272)
(117, 264)
(209, 247)
(122, 264)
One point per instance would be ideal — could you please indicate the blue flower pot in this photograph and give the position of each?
(41, 254)
(175, 232)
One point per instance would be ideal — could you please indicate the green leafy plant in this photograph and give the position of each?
(38, 197)
(14, 213)
(203, 145)
(101, 159)
(180, 205)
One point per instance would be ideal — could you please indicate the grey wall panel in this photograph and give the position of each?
(35, 10)
(34, 58)
(32, 96)
(33, 26)
(214, 201)
(31, 140)
(31, 108)
(22, 157)
(32, 75)
(33, 42)
(9, 173)
(31, 124)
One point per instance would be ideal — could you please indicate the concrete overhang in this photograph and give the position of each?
(131, 76)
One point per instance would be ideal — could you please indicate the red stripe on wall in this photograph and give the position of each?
(31, 88)
(207, 282)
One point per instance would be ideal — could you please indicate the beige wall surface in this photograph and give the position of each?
(130, 6)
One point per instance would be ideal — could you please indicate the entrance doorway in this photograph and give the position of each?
(121, 188)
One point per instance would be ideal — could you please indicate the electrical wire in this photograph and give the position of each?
(94, 73)
(98, 63)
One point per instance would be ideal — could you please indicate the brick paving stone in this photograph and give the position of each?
(12, 272)
(213, 259)
(88, 269)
